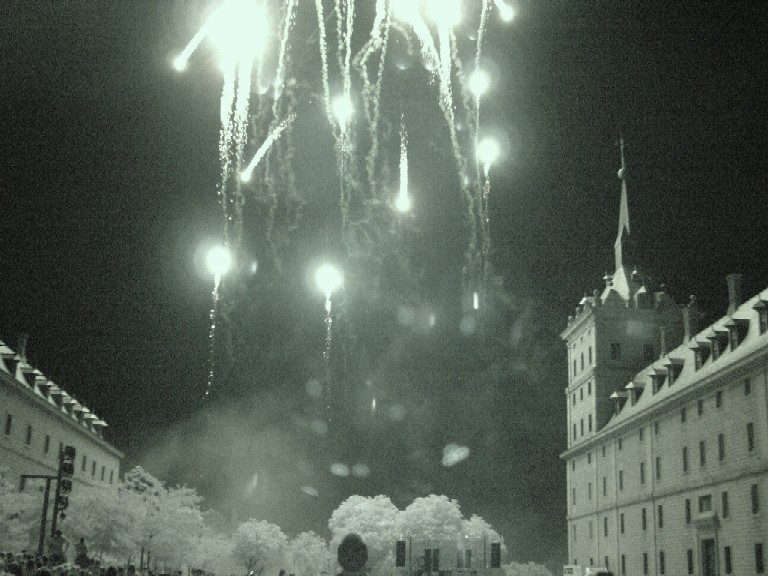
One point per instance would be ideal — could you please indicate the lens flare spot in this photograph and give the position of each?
(453, 454)
(319, 427)
(468, 325)
(252, 485)
(396, 412)
(314, 388)
(310, 491)
(361, 471)
(406, 315)
(339, 469)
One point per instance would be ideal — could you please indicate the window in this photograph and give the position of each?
(623, 565)
(660, 513)
(719, 399)
(721, 447)
(705, 503)
(702, 453)
(615, 351)
(589, 491)
(605, 526)
(643, 519)
(645, 562)
(700, 407)
(589, 525)
(620, 444)
(47, 444)
(687, 511)
(759, 566)
(685, 458)
(574, 368)
(658, 467)
(690, 561)
(93, 468)
(662, 564)
(589, 388)
(656, 428)
(682, 415)
(574, 398)
(111, 473)
(728, 561)
(755, 497)
(573, 496)
(8, 424)
(621, 479)
(582, 426)
(642, 472)
(762, 313)
(747, 387)
(605, 485)
(574, 431)
(582, 360)
(750, 437)
(589, 457)
(621, 522)
(605, 562)
(28, 437)
(724, 509)
(603, 451)
(82, 467)
(589, 421)
(590, 355)
(581, 393)
(641, 433)
(103, 469)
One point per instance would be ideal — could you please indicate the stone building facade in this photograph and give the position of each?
(667, 457)
(39, 418)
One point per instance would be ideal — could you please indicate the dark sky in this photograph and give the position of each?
(108, 173)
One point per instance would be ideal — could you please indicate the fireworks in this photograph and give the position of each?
(243, 30)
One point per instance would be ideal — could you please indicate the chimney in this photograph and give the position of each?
(662, 341)
(735, 283)
(21, 348)
(690, 319)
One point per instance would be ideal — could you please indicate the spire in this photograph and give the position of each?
(623, 238)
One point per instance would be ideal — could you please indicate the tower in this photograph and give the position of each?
(614, 333)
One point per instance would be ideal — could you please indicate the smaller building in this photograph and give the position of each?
(39, 418)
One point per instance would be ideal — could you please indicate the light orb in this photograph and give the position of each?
(219, 260)
(180, 63)
(479, 82)
(239, 29)
(342, 109)
(506, 12)
(403, 203)
(488, 151)
(328, 279)
(445, 12)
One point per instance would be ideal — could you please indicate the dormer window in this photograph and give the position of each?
(700, 353)
(657, 380)
(762, 315)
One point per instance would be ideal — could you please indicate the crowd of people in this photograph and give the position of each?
(56, 562)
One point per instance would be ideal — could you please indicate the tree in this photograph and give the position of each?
(374, 519)
(432, 518)
(258, 545)
(308, 554)
(18, 514)
(106, 518)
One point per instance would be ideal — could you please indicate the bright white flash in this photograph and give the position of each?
(479, 82)
(342, 109)
(475, 300)
(488, 151)
(239, 29)
(506, 12)
(328, 279)
(445, 13)
(219, 260)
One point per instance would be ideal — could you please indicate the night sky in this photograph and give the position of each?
(108, 175)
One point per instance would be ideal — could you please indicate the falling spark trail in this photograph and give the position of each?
(280, 73)
(485, 225)
(266, 145)
(403, 201)
(324, 60)
(189, 49)
(212, 337)
(327, 357)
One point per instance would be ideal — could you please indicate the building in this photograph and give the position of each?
(667, 458)
(39, 418)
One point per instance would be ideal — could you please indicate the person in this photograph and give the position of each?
(57, 548)
(352, 555)
(81, 554)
